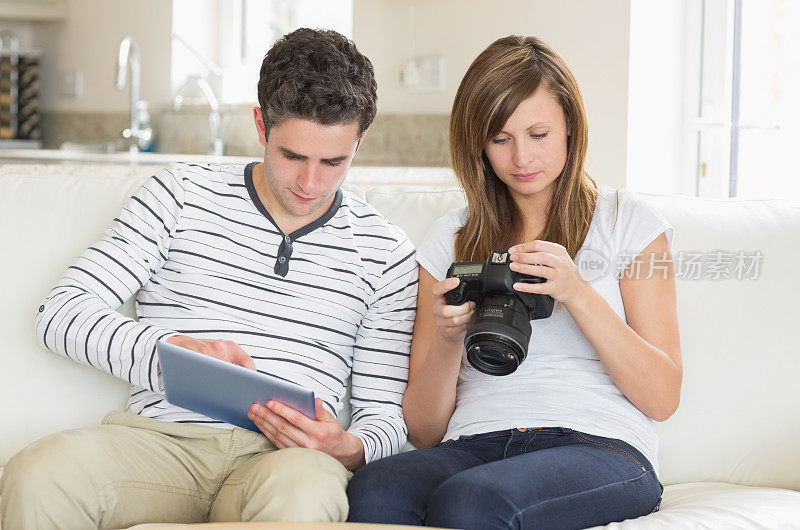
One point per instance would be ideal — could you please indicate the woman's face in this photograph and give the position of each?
(530, 151)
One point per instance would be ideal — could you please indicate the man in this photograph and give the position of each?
(270, 266)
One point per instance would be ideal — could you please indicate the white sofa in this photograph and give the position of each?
(730, 456)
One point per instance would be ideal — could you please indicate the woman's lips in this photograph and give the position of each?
(525, 177)
(301, 198)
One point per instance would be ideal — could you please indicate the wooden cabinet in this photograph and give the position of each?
(33, 10)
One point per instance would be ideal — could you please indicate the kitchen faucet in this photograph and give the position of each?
(213, 117)
(139, 132)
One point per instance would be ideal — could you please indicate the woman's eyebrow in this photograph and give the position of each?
(537, 124)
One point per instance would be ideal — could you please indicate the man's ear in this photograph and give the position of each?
(258, 118)
(361, 139)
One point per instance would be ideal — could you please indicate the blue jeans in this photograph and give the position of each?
(530, 478)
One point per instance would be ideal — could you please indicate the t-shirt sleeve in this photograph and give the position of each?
(380, 357)
(436, 253)
(79, 317)
(639, 223)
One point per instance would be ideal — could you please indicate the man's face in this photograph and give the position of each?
(305, 163)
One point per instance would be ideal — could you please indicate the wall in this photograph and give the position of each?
(663, 92)
(591, 35)
(88, 40)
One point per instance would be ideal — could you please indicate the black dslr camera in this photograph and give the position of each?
(497, 339)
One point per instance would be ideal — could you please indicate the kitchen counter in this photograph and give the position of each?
(71, 163)
(39, 156)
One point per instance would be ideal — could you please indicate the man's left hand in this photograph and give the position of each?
(286, 427)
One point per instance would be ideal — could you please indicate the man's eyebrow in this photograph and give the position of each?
(337, 159)
(292, 154)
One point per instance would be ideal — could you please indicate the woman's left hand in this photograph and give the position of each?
(552, 262)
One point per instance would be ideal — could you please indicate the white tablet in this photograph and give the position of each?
(222, 390)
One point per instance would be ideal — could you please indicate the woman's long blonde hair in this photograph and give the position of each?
(500, 78)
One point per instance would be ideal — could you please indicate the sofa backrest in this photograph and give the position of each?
(739, 419)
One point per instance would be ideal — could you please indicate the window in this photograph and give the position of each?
(725, 122)
(225, 41)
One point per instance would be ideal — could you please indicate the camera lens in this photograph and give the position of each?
(491, 356)
(497, 341)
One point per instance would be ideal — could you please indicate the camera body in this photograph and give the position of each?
(497, 340)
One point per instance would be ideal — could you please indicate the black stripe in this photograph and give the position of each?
(60, 307)
(153, 212)
(160, 400)
(260, 228)
(365, 400)
(133, 354)
(284, 319)
(377, 237)
(376, 376)
(88, 334)
(363, 216)
(68, 287)
(112, 258)
(356, 389)
(151, 241)
(219, 193)
(403, 354)
(401, 261)
(101, 282)
(157, 304)
(400, 290)
(409, 333)
(66, 332)
(271, 257)
(332, 247)
(266, 335)
(293, 361)
(110, 345)
(271, 277)
(158, 180)
(379, 438)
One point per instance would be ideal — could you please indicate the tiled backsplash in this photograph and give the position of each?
(393, 139)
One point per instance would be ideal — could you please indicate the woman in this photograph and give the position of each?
(567, 440)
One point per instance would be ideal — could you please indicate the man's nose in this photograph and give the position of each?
(308, 179)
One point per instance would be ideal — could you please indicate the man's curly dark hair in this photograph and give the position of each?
(317, 75)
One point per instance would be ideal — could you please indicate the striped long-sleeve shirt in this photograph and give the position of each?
(332, 300)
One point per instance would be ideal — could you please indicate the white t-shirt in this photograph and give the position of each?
(562, 382)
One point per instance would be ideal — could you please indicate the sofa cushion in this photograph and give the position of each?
(47, 220)
(696, 505)
(414, 208)
(739, 419)
(719, 505)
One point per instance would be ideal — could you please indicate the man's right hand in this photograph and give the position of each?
(223, 350)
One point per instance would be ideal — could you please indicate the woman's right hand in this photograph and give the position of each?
(452, 321)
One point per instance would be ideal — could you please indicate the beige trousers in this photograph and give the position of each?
(133, 469)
